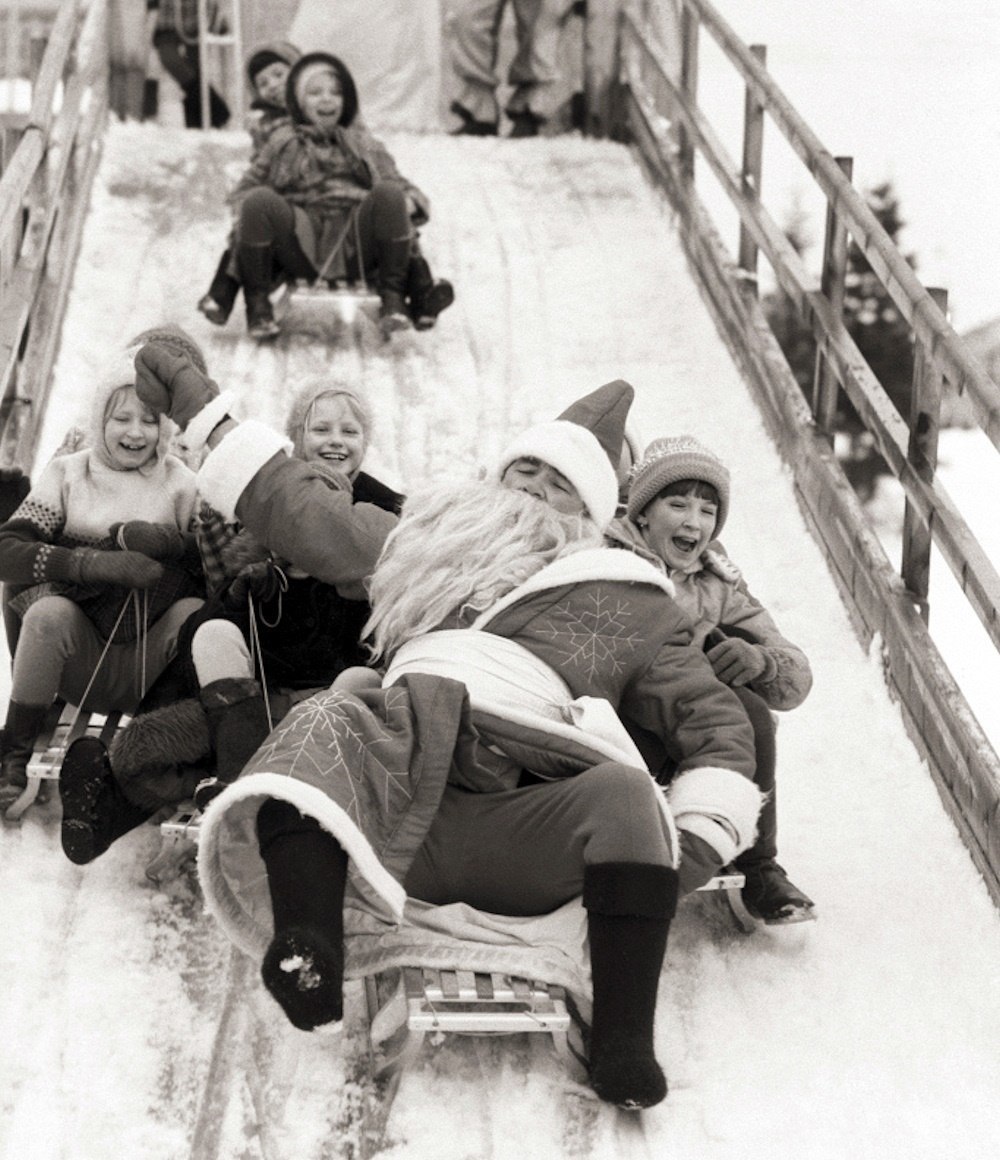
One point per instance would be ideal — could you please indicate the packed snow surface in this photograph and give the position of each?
(130, 1029)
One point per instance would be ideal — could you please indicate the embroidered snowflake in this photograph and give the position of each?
(593, 632)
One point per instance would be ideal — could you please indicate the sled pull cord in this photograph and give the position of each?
(257, 659)
(100, 661)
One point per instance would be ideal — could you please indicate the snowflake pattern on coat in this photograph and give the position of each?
(592, 633)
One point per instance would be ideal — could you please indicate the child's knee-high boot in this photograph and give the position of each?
(96, 811)
(217, 304)
(237, 723)
(629, 909)
(24, 723)
(256, 266)
(427, 296)
(393, 261)
(306, 874)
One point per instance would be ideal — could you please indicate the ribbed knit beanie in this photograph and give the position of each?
(585, 444)
(670, 460)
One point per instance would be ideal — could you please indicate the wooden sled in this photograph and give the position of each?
(178, 843)
(62, 727)
(346, 301)
(404, 1005)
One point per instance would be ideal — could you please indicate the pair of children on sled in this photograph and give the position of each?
(321, 194)
(559, 810)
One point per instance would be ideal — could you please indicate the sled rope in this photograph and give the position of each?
(100, 659)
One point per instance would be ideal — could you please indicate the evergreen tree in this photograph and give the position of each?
(881, 333)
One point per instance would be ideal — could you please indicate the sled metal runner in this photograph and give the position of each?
(64, 725)
(423, 1000)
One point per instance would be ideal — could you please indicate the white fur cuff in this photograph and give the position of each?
(229, 468)
(207, 419)
(719, 805)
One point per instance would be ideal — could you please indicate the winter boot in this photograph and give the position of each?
(237, 721)
(156, 756)
(393, 263)
(256, 269)
(303, 968)
(217, 304)
(427, 296)
(629, 909)
(471, 127)
(95, 810)
(524, 123)
(770, 896)
(24, 723)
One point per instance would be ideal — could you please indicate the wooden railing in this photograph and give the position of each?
(659, 111)
(44, 190)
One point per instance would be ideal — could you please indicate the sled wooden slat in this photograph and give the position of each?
(179, 840)
(731, 884)
(62, 727)
(462, 1003)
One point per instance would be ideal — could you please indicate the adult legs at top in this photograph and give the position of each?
(180, 59)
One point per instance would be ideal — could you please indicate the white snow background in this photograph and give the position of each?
(127, 1026)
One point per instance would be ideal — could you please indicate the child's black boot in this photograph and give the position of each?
(238, 724)
(771, 897)
(24, 723)
(427, 295)
(217, 304)
(256, 272)
(95, 810)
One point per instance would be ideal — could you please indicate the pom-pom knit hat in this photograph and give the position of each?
(670, 460)
(585, 444)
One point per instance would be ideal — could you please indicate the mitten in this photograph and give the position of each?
(737, 662)
(171, 384)
(159, 541)
(259, 580)
(127, 569)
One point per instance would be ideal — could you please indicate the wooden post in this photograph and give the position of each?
(601, 67)
(690, 26)
(825, 385)
(753, 157)
(922, 454)
(130, 31)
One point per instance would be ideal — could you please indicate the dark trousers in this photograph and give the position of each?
(180, 59)
(267, 219)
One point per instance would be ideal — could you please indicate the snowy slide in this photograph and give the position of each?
(130, 1028)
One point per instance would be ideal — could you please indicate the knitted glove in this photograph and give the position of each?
(159, 541)
(259, 580)
(171, 384)
(127, 569)
(737, 662)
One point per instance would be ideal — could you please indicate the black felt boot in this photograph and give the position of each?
(629, 909)
(427, 295)
(95, 810)
(303, 968)
(256, 266)
(238, 724)
(217, 304)
(393, 261)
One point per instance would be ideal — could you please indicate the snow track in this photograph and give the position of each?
(130, 1028)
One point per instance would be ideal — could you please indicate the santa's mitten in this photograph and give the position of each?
(170, 384)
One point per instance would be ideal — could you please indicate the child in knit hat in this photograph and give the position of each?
(677, 505)
(304, 632)
(324, 188)
(267, 71)
(100, 566)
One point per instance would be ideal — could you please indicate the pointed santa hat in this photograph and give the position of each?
(585, 444)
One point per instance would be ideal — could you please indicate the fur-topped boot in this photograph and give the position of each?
(629, 909)
(160, 756)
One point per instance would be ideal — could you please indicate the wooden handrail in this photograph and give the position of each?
(930, 326)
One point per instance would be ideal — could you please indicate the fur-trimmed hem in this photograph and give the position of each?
(229, 468)
(720, 805)
(225, 901)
